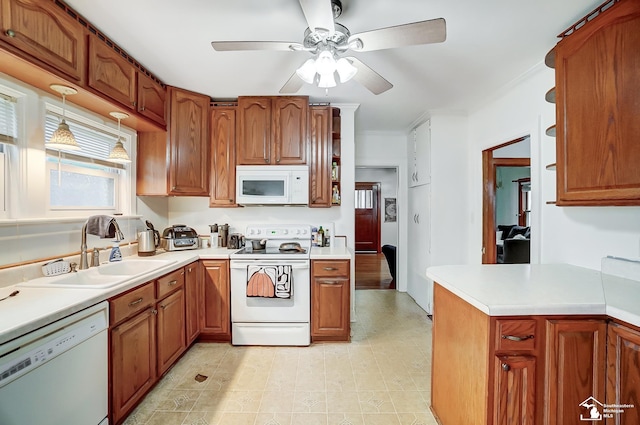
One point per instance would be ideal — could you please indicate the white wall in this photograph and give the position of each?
(574, 235)
(388, 179)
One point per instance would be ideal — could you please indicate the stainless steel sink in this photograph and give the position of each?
(104, 276)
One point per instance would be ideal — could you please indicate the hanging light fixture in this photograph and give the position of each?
(62, 138)
(325, 66)
(119, 153)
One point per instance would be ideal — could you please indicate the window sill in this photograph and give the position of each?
(5, 222)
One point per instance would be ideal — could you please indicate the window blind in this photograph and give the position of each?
(8, 119)
(95, 144)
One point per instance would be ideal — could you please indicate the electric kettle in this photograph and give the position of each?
(148, 241)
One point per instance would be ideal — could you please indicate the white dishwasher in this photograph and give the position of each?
(57, 375)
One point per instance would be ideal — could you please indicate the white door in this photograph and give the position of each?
(418, 286)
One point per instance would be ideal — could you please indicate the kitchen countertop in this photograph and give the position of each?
(541, 289)
(35, 307)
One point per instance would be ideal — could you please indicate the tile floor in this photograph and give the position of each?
(381, 378)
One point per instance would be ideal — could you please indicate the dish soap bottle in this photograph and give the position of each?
(115, 255)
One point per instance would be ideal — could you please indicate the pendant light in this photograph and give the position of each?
(62, 138)
(119, 153)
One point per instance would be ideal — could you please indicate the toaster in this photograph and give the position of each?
(178, 238)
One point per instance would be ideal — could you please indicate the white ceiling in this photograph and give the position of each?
(489, 44)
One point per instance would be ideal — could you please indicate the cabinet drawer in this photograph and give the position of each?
(131, 303)
(330, 268)
(170, 282)
(515, 334)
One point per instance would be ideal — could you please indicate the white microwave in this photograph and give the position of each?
(272, 184)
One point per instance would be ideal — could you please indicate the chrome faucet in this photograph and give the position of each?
(84, 263)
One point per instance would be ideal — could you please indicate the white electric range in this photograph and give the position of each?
(270, 288)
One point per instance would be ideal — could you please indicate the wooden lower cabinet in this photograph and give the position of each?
(515, 390)
(133, 362)
(540, 367)
(575, 369)
(193, 291)
(216, 323)
(170, 330)
(330, 300)
(623, 373)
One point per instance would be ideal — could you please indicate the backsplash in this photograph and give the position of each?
(24, 241)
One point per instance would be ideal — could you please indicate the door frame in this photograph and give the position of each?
(489, 166)
(377, 192)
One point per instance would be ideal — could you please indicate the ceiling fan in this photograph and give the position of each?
(329, 41)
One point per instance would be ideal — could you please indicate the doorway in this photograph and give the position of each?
(500, 166)
(376, 188)
(367, 202)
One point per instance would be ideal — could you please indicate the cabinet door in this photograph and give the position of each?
(151, 99)
(418, 285)
(575, 367)
(320, 155)
(623, 373)
(133, 362)
(330, 301)
(423, 154)
(217, 318)
(597, 151)
(514, 390)
(111, 74)
(222, 189)
(188, 137)
(289, 139)
(171, 330)
(254, 131)
(193, 297)
(43, 31)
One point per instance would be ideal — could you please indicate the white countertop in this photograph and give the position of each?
(541, 289)
(35, 307)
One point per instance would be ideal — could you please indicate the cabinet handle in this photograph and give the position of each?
(331, 282)
(173, 282)
(278, 160)
(138, 301)
(189, 269)
(416, 176)
(266, 160)
(330, 268)
(142, 108)
(231, 201)
(506, 367)
(517, 338)
(162, 306)
(154, 311)
(11, 33)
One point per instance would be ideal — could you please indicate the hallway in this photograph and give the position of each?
(381, 378)
(372, 272)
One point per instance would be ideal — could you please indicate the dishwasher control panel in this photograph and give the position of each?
(31, 354)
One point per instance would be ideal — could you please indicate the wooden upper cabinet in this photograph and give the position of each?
(597, 110)
(222, 176)
(254, 131)
(111, 74)
(151, 99)
(272, 130)
(289, 131)
(46, 34)
(320, 154)
(189, 141)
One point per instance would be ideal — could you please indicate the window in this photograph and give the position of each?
(8, 136)
(84, 179)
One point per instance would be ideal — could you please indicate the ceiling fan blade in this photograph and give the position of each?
(225, 46)
(318, 14)
(366, 76)
(292, 85)
(423, 32)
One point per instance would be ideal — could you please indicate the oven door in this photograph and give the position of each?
(270, 310)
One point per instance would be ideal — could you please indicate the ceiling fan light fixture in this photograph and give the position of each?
(345, 69)
(326, 63)
(307, 72)
(327, 80)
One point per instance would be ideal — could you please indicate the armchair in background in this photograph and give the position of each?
(515, 246)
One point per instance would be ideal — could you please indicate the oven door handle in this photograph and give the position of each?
(296, 264)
